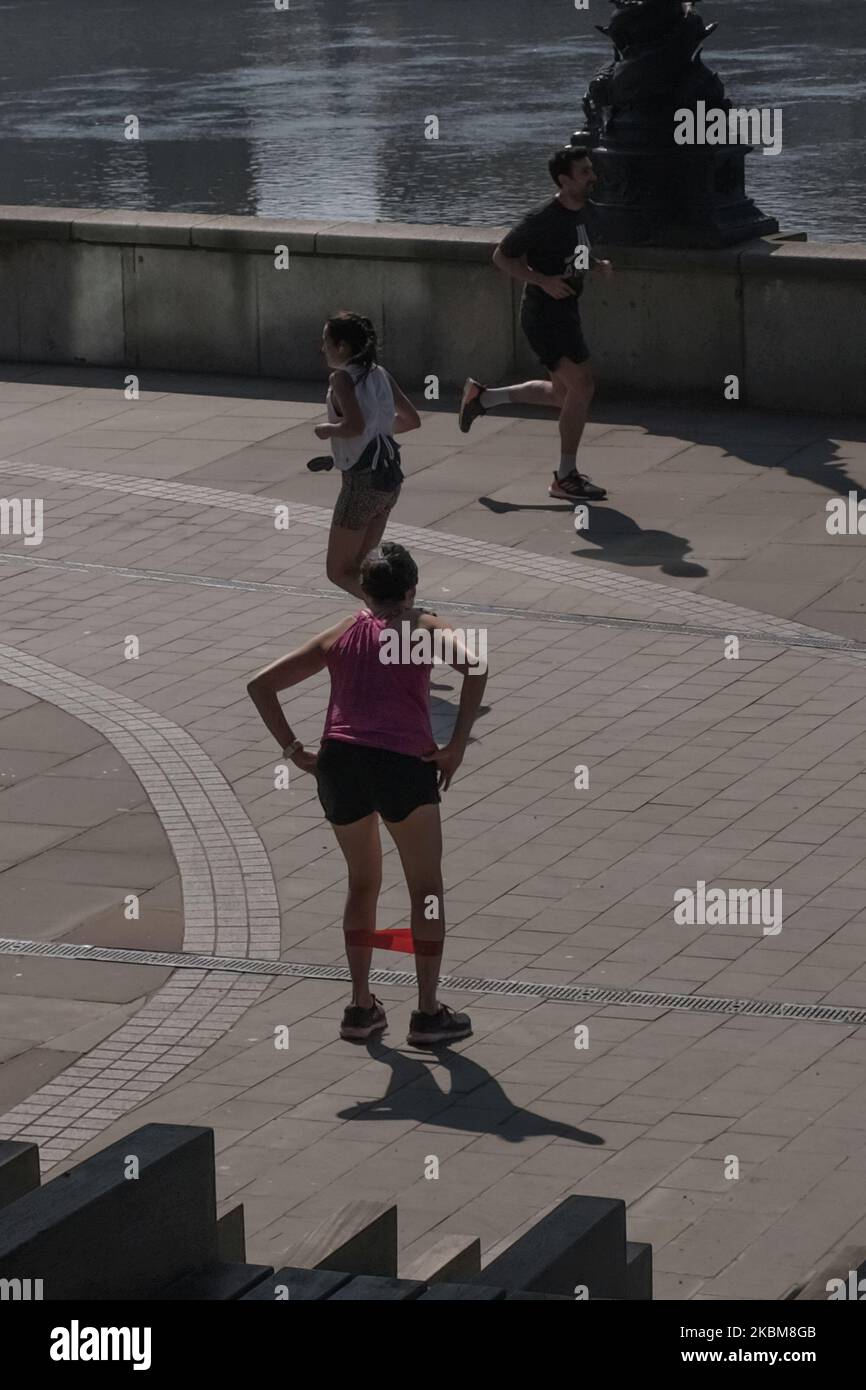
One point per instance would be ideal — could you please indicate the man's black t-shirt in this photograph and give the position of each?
(551, 238)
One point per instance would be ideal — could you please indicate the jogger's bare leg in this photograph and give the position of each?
(372, 536)
(348, 548)
(343, 560)
(577, 388)
(534, 393)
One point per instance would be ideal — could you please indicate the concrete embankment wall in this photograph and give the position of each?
(199, 293)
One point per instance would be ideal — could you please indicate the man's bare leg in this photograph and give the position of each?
(527, 393)
(576, 389)
(478, 399)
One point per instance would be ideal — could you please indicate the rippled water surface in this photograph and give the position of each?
(320, 109)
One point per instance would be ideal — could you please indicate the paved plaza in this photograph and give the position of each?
(138, 811)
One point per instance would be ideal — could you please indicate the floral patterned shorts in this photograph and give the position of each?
(359, 502)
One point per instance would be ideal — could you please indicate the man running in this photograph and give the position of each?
(549, 253)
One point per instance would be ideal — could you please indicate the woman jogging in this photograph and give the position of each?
(366, 408)
(378, 758)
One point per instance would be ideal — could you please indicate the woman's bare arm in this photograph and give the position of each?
(406, 416)
(351, 423)
(290, 670)
(472, 666)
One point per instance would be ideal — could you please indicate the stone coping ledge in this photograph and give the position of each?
(769, 257)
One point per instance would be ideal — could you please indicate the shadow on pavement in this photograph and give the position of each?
(493, 504)
(412, 1094)
(815, 460)
(622, 541)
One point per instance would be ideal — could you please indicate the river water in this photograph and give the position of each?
(320, 109)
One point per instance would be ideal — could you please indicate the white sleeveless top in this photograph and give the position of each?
(376, 401)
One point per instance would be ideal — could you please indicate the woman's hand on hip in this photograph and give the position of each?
(305, 761)
(447, 760)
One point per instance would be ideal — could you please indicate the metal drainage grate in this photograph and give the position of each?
(473, 984)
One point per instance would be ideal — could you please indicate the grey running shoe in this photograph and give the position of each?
(577, 487)
(470, 405)
(445, 1025)
(359, 1024)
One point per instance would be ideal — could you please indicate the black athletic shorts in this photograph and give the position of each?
(554, 332)
(355, 780)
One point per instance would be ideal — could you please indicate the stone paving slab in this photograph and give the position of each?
(743, 773)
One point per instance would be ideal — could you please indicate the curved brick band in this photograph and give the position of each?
(230, 904)
(658, 598)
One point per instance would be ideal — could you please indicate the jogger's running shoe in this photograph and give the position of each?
(577, 487)
(321, 464)
(470, 405)
(425, 1030)
(359, 1024)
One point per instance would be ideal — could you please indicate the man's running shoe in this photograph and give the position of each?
(321, 464)
(359, 1024)
(577, 487)
(470, 405)
(425, 1030)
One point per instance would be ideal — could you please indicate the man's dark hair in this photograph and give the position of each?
(388, 573)
(561, 162)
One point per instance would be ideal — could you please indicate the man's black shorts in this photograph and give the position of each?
(554, 332)
(355, 780)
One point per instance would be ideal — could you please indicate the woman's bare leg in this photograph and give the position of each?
(347, 549)
(362, 850)
(372, 536)
(419, 844)
(343, 562)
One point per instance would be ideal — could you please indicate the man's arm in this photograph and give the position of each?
(516, 266)
(601, 267)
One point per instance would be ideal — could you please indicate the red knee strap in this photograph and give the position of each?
(394, 939)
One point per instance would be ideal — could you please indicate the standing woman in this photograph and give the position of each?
(378, 758)
(366, 408)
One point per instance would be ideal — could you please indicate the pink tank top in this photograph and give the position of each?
(372, 702)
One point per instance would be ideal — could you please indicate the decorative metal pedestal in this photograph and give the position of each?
(651, 190)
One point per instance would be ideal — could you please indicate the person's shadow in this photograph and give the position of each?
(413, 1094)
(622, 541)
(619, 538)
(814, 458)
(443, 715)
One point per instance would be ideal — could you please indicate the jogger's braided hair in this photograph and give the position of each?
(358, 332)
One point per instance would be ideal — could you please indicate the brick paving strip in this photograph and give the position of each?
(812, 639)
(620, 587)
(230, 904)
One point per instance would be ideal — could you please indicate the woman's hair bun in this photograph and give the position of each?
(388, 573)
